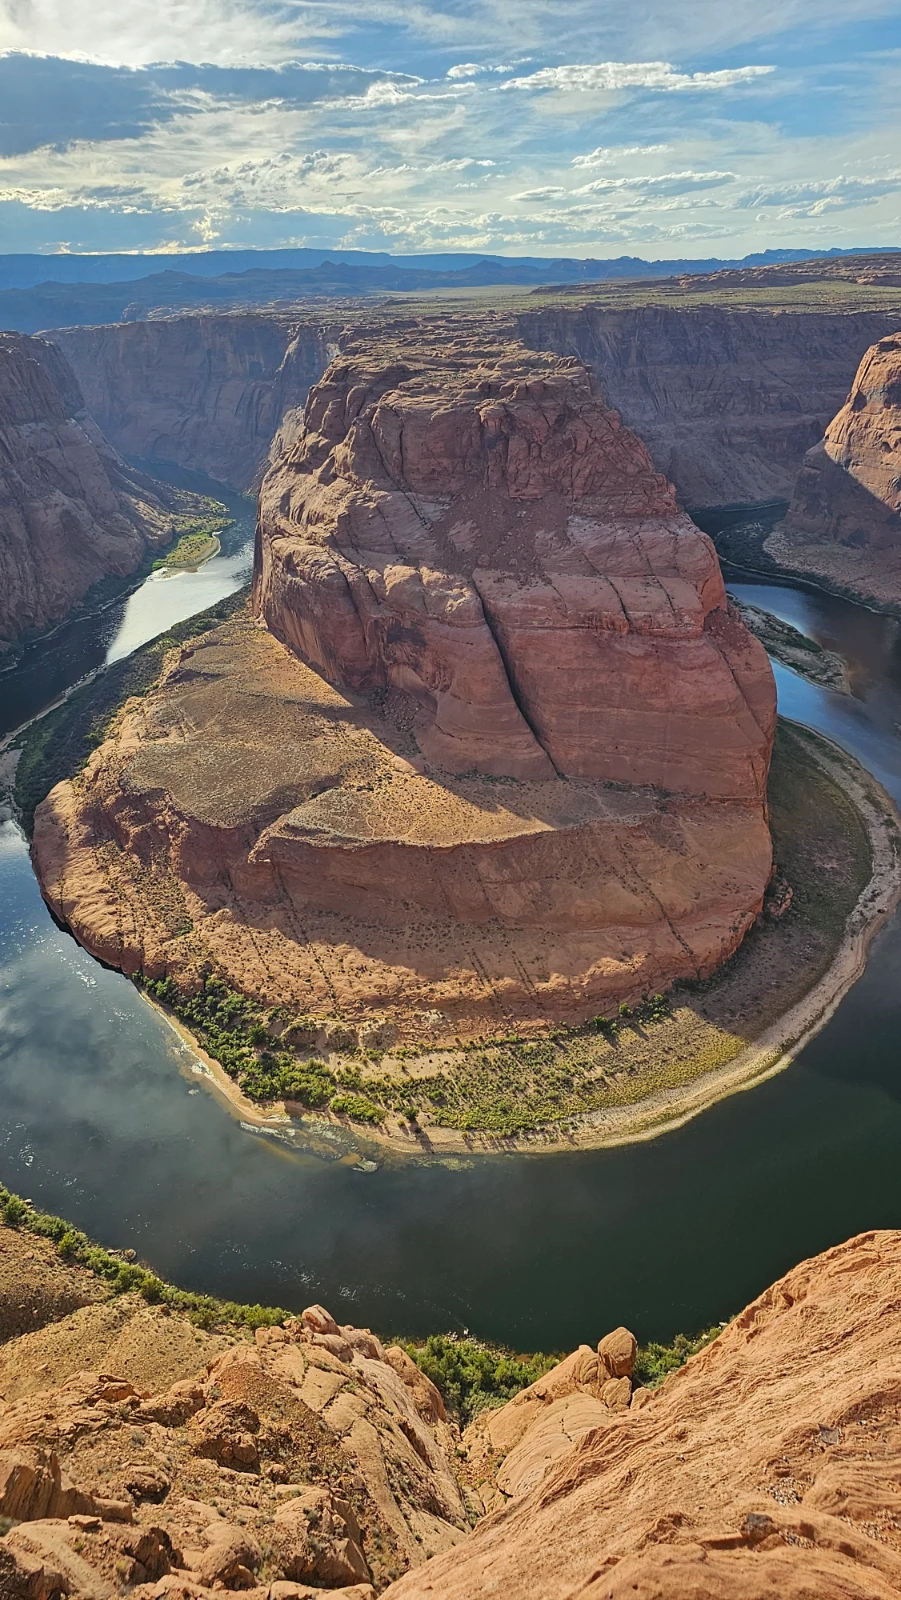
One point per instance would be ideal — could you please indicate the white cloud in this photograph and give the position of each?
(668, 183)
(830, 194)
(604, 154)
(633, 75)
(548, 193)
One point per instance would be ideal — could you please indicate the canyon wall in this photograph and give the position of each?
(71, 511)
(844, 521)
(728, 402)
(205, 392)
(500, 752)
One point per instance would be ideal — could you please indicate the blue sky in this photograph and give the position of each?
(545, 127)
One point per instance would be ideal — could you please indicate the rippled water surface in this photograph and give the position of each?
(104, 1118)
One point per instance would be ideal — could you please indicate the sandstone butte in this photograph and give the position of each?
(71, 511)
(140, 1456)
(844, 521)
(500, 750)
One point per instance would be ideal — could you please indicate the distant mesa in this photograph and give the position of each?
(501, 749)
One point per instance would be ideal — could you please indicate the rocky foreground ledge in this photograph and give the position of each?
(142, 1456)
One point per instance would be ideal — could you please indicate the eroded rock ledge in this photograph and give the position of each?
(501, 751)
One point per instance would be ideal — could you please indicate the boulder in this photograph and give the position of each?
(316, 1536)
(617, 1351)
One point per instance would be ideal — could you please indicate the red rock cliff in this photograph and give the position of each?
(476, 575)
(71, 511)
(844, 522)
(727, 401)
(485, 535)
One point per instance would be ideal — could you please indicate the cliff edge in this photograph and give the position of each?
(71, 511)
(844, 521)
(141, 1455)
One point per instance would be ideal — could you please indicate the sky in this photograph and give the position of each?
(660, 128)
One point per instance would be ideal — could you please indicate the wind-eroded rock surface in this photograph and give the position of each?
(139, 1456)
(483, 535)
(522, 766)
(207, 392)
(844, 521)
(71, 512)
(768, 1465)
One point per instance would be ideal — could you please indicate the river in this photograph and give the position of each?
(104, 1119)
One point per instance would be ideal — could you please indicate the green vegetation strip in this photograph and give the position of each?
(469, 1374)
(127, 1277)
(196, 536)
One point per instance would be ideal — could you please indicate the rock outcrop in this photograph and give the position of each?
(727, 401)
(313, 1460)
(768, 1464)
(844, 522)
(206, 392)
(521, 766)
(71, 511)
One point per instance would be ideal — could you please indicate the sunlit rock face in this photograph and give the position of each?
(480, 531)
(496, 747)
(844, 521)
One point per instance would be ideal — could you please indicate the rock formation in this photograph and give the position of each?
(768, 1464)
(514, 761)
(71, 512)
(206, 392)
(314, 1460)
(844, 522)
(727, 401)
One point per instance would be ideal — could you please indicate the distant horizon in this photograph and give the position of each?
(166, 252)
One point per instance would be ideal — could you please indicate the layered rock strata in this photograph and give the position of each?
(71, 511)
(315, 1460)
(206, 392)
(844, 521)
(507, 757)
(727, 401)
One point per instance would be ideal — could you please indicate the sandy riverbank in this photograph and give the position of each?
(752, 1061)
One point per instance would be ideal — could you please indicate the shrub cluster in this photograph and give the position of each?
(129, 1277)
(471, 1376)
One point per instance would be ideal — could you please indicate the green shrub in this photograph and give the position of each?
(357, 1107)
(655, 1362)
(471, 1376)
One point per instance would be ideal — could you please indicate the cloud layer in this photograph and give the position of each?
(409, 126)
